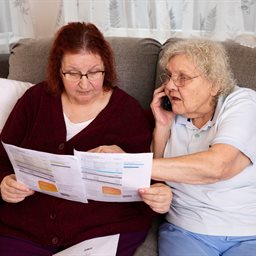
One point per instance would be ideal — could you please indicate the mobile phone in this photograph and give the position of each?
(166, 104)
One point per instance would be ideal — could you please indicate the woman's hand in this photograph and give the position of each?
(162, 116)
(107, 149)
(163, 122)
(13, 191)
(158, 197)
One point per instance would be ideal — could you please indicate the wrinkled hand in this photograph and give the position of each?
(162, 116)
(13, 191)
(158, 197)
(107, 149)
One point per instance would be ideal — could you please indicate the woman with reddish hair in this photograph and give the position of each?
(78, 107)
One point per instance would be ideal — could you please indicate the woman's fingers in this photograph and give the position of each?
(107, 149)
(158, 197)
(13, 191)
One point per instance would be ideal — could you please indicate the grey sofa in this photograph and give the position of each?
(138, 72)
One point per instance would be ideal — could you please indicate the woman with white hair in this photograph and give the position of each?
(204, 149)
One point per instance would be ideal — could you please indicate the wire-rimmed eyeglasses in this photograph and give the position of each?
(76, 76)
(179, 81)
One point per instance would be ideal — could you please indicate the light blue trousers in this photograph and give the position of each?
(175, 241)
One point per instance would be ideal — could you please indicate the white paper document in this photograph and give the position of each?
(115, 177)
(106, 177)
(100, 246)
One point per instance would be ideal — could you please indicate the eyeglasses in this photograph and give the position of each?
(179, 81)
(76, 76)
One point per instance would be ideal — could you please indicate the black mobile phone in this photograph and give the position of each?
(166, 104)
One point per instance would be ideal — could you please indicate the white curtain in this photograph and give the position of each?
(160, 19)
(15, 22)
(28, 19)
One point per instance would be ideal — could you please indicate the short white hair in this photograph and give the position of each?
(209, 57)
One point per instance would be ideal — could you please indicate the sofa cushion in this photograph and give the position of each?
(243, 63)
(28, 60)
(10, 92)
(136, 61)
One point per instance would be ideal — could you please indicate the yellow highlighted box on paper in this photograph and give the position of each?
(111, 191)
(47, 186)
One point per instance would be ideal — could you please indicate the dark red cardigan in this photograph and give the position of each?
(37, 122)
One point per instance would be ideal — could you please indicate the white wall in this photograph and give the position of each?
(44, 16)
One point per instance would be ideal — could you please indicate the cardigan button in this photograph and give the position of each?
(53, 216)
(61, 146)
(55, 240)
